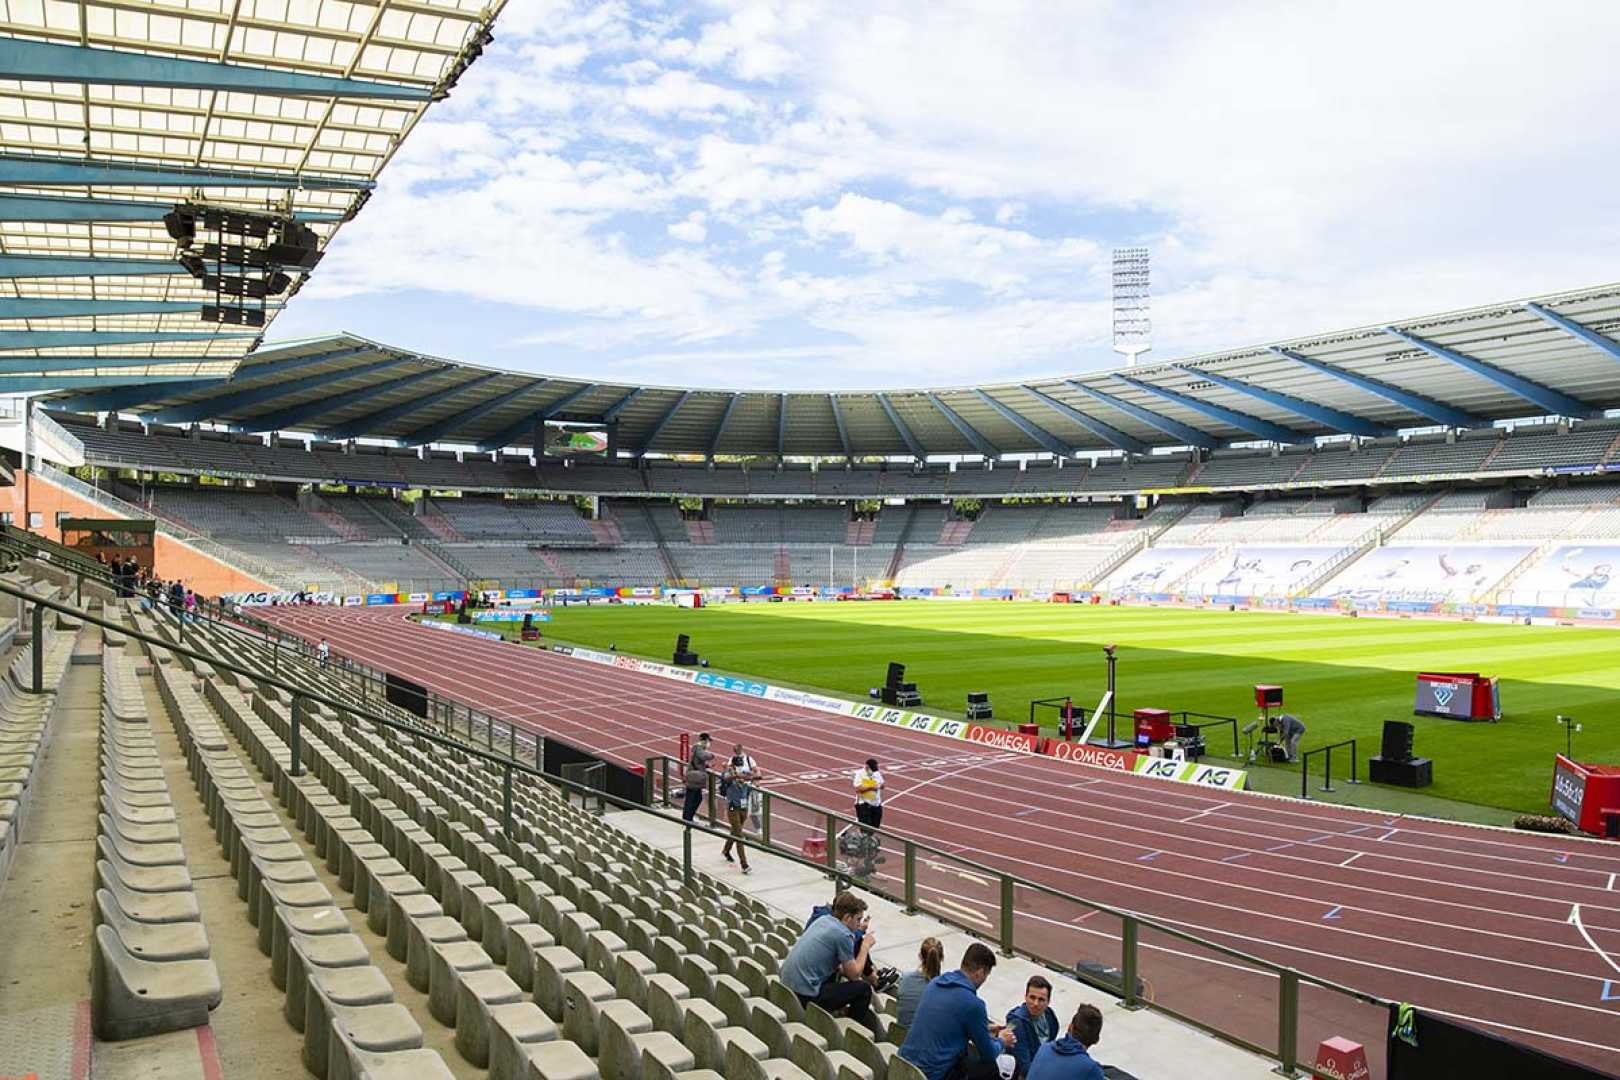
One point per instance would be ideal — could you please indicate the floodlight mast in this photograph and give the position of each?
(1133, 331)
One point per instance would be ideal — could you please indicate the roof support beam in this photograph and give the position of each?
(1333, 418)
(215, 407)
(62, 339)
(1051, 442)
(28, 364)
(297, 414)
(1254, 425)
(1598, 341)
(781, 426)
(211, 408)
(843, 429)
(967, 430)
(663, 422)
(1543, 397)
(1108, 433)
(612, 412)
(1428, 408)
(364, 425)
(906, 436)
(41, 61)
(53, 208)
(43, 266)
(720, 428)
(24, 171)
(507, 437)
(1171, 427)
(125, 395)
(50, 307)
(434, 432)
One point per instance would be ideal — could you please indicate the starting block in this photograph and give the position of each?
(814, 847)
(1342, 1059)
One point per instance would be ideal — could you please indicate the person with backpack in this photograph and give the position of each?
(1069, 1058)
(827, 964)
(735, 786)
(697, 777)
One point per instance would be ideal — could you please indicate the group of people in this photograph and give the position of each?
(130, 579)
(739, 777)
(949, 1035)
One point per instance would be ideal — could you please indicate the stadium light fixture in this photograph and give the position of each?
(1133, 331)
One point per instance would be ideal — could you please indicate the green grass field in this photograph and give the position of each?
(1342, 677)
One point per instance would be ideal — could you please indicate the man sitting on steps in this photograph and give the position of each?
(825, 965)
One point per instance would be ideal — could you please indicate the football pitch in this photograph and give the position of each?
(1342, 677)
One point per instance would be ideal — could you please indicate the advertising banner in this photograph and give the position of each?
(373, 599)
(1084, 754)
(1190, 772)
(511, 615)
(1569, 788)
(466, 631)
(1002, 738)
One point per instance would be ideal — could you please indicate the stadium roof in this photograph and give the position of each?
(1555, 355)
(113, 111)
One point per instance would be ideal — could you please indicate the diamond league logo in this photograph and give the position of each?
(1442, 695)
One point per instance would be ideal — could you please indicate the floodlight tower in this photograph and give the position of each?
(1132, 329)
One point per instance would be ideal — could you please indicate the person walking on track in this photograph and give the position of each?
(869, 795)
(325, 653)
(697, 777)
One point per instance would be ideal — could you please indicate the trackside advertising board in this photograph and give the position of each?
(945, 727)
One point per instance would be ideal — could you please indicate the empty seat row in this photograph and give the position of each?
(146, 976)
(26, 727)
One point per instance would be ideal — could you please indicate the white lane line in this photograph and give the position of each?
(962, 911)
(1351, 859)
(1611, 881)
(1575, 918)
(1389, 834)
(1201, 813)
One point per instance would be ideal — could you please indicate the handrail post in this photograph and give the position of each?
(506, 801)
(709, 801)
(1007, 890)
(649, 789)
(765, 818)
(1327, 772)
(39, 648)
(832, 840)
(1305, 775)
(1353, 779)
(1128, 933)
(511, 733)
(686, 855)
(1287, 1023)
(911, 878)
(295, 743)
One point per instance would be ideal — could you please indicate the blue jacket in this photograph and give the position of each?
(1065, 1059)
(949, 1017)
(1031, 1034)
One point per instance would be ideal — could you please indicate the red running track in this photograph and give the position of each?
(1514, 932)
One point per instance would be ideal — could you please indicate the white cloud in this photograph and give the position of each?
(691, 230)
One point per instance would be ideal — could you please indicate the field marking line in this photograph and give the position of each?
(1334, 914)
(1352, 859)
(1611, 882)
(1201, 813)
(1387, 835)
(1149, 857)
(1575, 918)
(1082, 918)
(962, 911)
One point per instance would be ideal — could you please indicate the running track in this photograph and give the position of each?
(1517, 933)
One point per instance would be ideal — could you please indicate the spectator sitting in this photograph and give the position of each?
(929, 959)
(951, 1017)
(1033, 1022)
(825, 965)
(1069, 1058)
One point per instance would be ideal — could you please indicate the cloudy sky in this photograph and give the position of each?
(808, 195)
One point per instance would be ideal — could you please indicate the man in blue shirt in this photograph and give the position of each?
(1069, 1058)
(1033, 1022)
(825, 965)
(951, 1017)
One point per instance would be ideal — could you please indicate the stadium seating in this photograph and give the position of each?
(561, 949)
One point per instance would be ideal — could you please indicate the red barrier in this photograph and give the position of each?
(1001, 737)
(1101, 756)
(1342, 1060)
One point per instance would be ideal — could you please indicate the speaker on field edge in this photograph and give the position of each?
(1397, 744)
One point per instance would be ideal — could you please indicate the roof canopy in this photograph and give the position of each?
(113, 111)
(1555, 355)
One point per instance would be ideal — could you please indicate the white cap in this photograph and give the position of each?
(1007, 1065)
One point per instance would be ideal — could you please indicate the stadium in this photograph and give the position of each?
(356, 698)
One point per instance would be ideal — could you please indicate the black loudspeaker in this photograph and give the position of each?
(1414, 772)
(684, 656)
(683, 642)
(978, 697)
(1397, 745)
(897, 672)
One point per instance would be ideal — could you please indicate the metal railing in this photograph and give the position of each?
(1146, 962)
(1327, 766)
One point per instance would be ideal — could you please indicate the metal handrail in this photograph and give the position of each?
(1131, 924)
(1327, 773)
